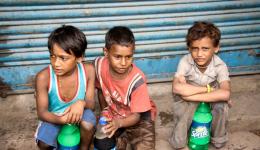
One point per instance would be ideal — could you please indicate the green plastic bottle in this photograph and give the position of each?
(69, 137)
(199, 136)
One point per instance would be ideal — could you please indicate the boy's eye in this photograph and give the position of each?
(205, 49)
(117, 56)
(64, 58)
(52, 56)
(129, 57)
(194, 49)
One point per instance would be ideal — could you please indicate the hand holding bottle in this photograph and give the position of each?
(111, 127)
(101, 139)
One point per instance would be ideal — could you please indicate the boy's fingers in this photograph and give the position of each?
(69, 118)
(112, 133)
(66, 111)
(230, 103)
(108, 128)
(64, 119)
(108, 119)
(80, 118)
(77, 118)
(182, 79)
(74, 118)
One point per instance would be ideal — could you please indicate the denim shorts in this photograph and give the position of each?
(48, 132)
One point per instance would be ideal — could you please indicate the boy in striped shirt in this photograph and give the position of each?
(123, 94)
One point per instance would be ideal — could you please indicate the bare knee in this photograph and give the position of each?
(220, 108)
(86, 126)
(86, 133)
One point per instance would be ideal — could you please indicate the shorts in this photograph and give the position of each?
(48, 132)
(140, 136)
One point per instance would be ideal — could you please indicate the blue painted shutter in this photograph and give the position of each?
(159, 27)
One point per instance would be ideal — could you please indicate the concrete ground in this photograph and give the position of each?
(18, 119)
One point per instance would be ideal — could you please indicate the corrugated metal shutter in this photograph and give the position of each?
(159, 27)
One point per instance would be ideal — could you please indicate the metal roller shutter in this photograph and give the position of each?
(159, 27)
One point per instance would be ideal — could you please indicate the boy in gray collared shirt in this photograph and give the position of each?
(195, 71)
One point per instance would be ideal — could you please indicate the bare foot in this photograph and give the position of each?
(185, 148)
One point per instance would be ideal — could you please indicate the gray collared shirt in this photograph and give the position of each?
(215, 73)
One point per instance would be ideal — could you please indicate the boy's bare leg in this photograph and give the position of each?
(42, 146)
(185, 148)
(219, 135)
(86, 133)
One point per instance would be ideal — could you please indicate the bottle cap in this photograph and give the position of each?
(102, 121)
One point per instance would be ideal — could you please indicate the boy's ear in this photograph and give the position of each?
(216, 49)
(105, 51)
(80, 59)
(189, 49)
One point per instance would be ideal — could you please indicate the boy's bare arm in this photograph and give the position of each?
(42, 100)
(90, 93)
(101, 99)
(179, 86)
(221, 94)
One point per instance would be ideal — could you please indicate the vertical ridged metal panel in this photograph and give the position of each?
(159, 27)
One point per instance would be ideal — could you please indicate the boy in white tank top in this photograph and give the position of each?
(65, 89)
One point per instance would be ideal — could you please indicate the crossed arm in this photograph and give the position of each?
(199, 93)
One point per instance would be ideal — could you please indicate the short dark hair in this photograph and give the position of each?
(119, 35)
(200, 30)
(70, 39)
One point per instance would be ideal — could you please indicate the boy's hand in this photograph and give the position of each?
(64, 116)
(230, 103)
(75, 112)
(182, 79)
(111, 127)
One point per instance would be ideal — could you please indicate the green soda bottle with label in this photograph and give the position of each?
(199, 136)
(69, 137)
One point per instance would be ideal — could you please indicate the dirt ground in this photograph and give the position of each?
(18, 120)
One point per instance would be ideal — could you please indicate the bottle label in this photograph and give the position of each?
(200, 132)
